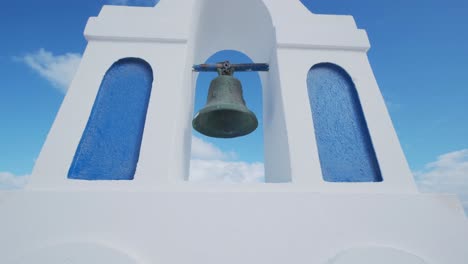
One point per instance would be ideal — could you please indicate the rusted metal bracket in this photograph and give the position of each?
(226, 67)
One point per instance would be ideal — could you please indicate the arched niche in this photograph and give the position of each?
(243, 25)
(345, 147)
(109, 148)
(247, 151)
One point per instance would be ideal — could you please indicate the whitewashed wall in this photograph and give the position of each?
(160, 217)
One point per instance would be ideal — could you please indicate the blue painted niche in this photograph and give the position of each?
(110, 146)
(345, 148)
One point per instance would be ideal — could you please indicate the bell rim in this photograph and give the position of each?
(231, 107)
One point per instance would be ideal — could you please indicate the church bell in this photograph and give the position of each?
(225, 114)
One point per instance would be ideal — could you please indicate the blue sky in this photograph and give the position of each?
(419, 56)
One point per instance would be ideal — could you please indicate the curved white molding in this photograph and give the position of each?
(375, 254)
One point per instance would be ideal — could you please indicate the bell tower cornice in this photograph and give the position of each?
(290, 19)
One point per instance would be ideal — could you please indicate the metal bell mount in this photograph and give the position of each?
(225, 114)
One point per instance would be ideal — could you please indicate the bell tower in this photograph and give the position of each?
(111, 182)
(264, 34)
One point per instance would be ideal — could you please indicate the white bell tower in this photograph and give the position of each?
(129, 109)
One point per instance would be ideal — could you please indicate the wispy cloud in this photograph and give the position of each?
(132, 2)
(9, 181)
(210, 164)
(207, 151)
(226, 171)
(448, 174)
(57, 69)
(392, 106)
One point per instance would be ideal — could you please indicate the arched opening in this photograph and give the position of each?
(236, 160)
(110, 145)
(345, 148)
(245, 26)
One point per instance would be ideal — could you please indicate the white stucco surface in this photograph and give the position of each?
(382, 255)
(231, 227)
(296, 217)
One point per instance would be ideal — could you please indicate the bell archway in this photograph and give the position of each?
(240, 151)
(245, 26)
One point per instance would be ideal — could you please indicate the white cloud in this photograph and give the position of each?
(207, 151)
(57, 69)
(225, 171)
(392, 106)
(9, 181)
(210, 164)
(448, 174)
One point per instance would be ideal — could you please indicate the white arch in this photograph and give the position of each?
(243, 25)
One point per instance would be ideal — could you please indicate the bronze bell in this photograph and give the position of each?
(225, 114)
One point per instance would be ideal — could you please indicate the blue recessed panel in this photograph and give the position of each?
(345, 147)
(110, 146)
